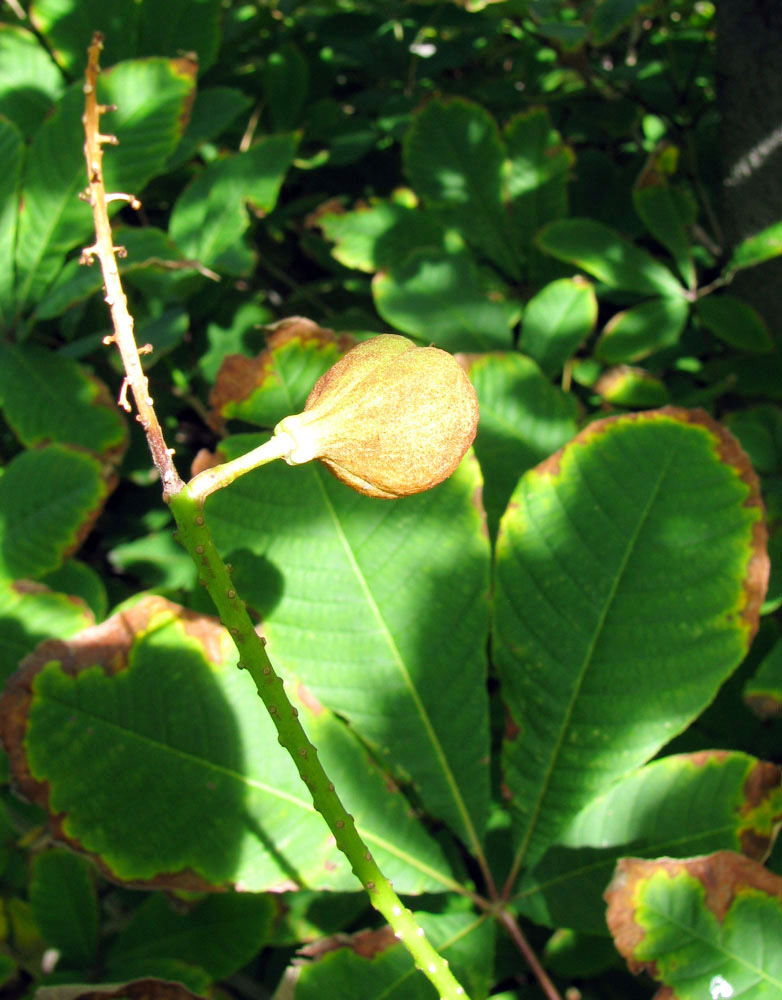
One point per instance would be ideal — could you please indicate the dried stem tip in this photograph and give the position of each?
(388, 419)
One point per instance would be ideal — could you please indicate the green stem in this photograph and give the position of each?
(187, 507)
(211, 480)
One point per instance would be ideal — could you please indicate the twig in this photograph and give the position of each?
(516, 935)
(17, 9)
(104, 249)
(187, 508)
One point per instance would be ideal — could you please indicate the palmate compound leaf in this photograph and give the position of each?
(31, 82)
(703, 927)
(152, 753)
(557, 320)
(67, 26)
(679, 806)
(630, 570)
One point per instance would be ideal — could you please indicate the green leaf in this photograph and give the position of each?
(30, 613)
(536, 176)
(556, 322)
(704, 927)
(763, 691)
(148, 249)
(755, 249)
(46, 397)
(156, 561)
(285, 86)
(602, 252)
(211, 215)
(48, 500)
(454, 157)
(611, 16)
(676, 807)
(220, 934)
(466, 942)
(735, 322)
(439, 298)
(150, 96)
(65, 906)
(138, 713)
(277, 382)
(759, 430)
(214, 109)
(633, 387)
(381, 235)
(181, 26)
(379, 644)
(630, 570)
(68, 25)
(641, 330)
(30, 83)
(80, 581)
(11, 156)
(523, 420)
(658, 206)
(243, 336)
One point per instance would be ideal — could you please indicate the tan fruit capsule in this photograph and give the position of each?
(389, 418)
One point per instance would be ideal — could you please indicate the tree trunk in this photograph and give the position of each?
(749, 81)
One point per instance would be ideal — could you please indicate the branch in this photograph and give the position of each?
(186, 504)
(103, 248)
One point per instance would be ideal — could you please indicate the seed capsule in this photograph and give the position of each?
(389, 418)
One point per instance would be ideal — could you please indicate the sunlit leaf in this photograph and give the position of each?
(439, 298)
(608, 256)
(106, 730)
(708, 926)
(675, 807)
(630, 571)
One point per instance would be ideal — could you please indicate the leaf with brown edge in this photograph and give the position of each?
(139, 989)
(703, 927)
(683, 805)
(763, 691)
(631, 567)
(107, 731)
(107, 645)
(254, 389)
(49, 500)
(372, 964)
(50, 398)
(367, 943)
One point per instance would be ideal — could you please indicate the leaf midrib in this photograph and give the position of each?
(587, 662)
(399, 663)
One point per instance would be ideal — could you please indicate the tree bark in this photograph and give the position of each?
(749, 84)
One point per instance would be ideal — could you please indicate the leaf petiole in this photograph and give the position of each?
(211, 480)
